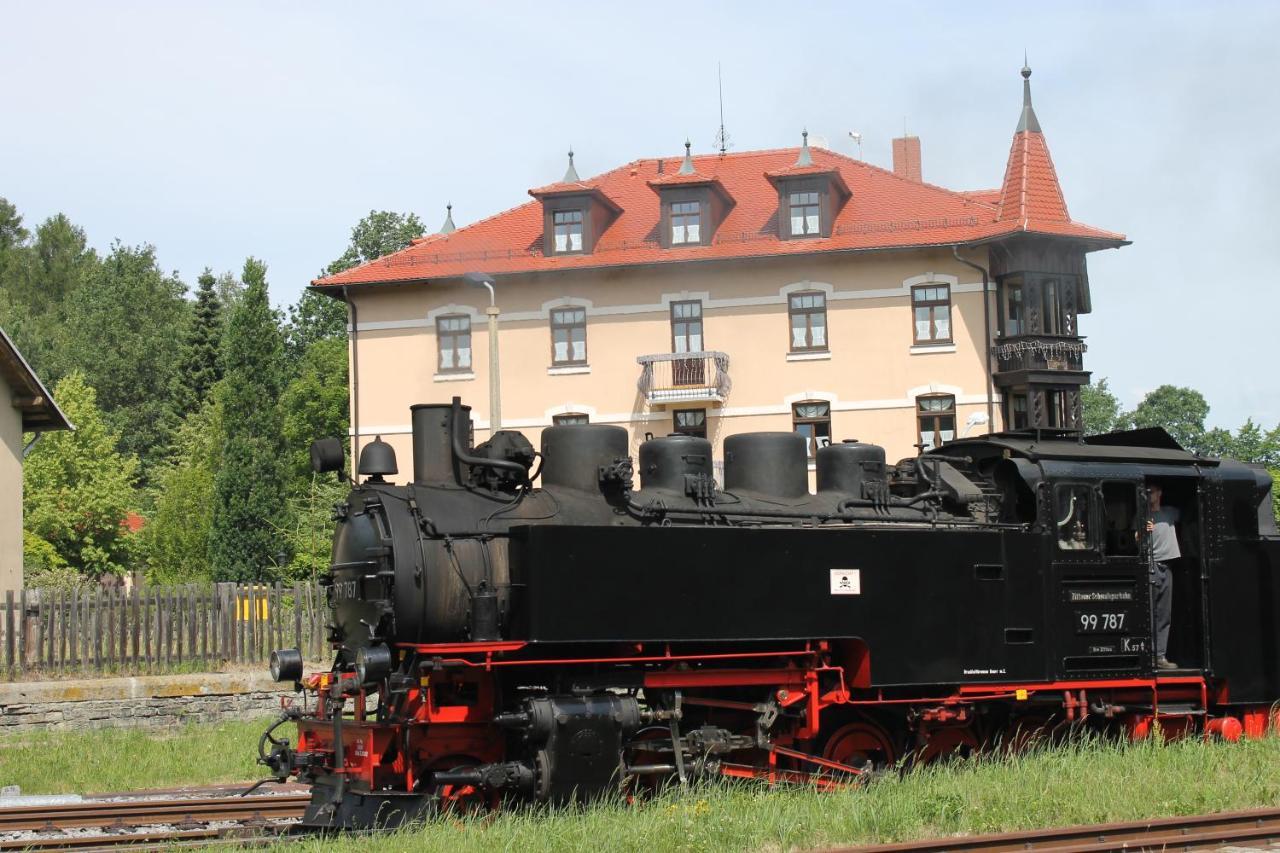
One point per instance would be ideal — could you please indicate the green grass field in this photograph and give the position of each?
(1087, 782)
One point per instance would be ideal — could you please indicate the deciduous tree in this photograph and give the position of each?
(78, 488)
(1101, 408)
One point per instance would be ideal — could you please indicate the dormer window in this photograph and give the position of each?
(806, 220)
(568, 231)
(686, 222)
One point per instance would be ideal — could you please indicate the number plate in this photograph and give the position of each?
(1103, 622)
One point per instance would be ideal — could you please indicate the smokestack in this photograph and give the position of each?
(906, 158)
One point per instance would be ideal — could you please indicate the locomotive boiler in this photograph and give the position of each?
(555, 624)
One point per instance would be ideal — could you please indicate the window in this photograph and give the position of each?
(937, 417)
(690, 422)
(568, 336)
(567, 225)
(1013, 308)
(804, 214)
(1120, 513)
(812, 420)
(686, 336)
(931, 304)
(1052, 306)
(453, 341)
(1017, 411)
(1072, 517)
(686, 222)
(570, 419)
(808, 321)
(1056, 412)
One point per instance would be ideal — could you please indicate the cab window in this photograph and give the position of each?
(1072, 518)
(1120, 513)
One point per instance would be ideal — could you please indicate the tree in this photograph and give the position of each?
(38, 277)
(200, 361)
(315, 317)
(249, 486)
(11, 231)
(176, 538)
(1181, 411)
(1101, 408)
(380, 233)
(125, 330)
(315, 404)
(78, 488)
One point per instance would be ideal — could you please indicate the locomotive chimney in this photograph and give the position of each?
(433, 460)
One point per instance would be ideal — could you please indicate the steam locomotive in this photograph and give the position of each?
(495, 639)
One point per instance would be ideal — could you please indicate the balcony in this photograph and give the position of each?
(687, 377)
(1036, 353)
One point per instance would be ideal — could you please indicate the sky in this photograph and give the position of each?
(218, 130)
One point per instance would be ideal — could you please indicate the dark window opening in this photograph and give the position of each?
(813, 421)
(1012, 314)
(936, 415)
(1052, 306)
(690, 422)
(1120, 510)
(453, 343)
(569, 336)
(1056, 411)
(808, 312)
(1018, 411)
(931, 306)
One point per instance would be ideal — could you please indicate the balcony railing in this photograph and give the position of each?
(684, 377)
(1039, 352)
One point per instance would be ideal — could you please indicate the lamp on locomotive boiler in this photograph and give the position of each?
(495, 394)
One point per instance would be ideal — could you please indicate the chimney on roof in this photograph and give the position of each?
(906, 158)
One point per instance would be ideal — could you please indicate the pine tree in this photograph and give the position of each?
(199, 365)
(250, 485)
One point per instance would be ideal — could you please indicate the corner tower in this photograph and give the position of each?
(1042, 286)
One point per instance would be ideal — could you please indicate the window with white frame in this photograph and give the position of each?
(686, 223)
(453, 343)
(568, 336)
(567, 230)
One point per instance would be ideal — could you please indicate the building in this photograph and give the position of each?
(31, 409)
(793, 289)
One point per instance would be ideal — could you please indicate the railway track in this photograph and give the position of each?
(1255, 828)
(150, 820)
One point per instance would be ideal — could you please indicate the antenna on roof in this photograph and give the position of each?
(722, 136)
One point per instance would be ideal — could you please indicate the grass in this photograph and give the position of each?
(109, 760)
(1085, 782)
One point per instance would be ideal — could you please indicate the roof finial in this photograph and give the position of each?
(571, 174)
(686, 168)
(804, 159)
(448, 227)
(1028, 121)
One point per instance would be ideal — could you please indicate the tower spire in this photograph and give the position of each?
(686, 168)
(448, 227)
(805, 158)
(1028, 121)
(571, 174)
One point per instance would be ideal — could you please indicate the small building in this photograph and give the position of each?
(31, 409)
(713, 294)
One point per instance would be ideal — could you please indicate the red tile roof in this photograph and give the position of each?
(885, 211)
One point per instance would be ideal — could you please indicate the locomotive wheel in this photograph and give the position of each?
(858, 743)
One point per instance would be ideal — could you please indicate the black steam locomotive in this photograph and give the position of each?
(495, 639)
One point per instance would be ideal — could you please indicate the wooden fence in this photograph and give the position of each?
(105, 631)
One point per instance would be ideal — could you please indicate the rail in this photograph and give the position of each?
(1198, 832)
(145, 819)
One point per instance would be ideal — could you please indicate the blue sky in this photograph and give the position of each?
(218, 130)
